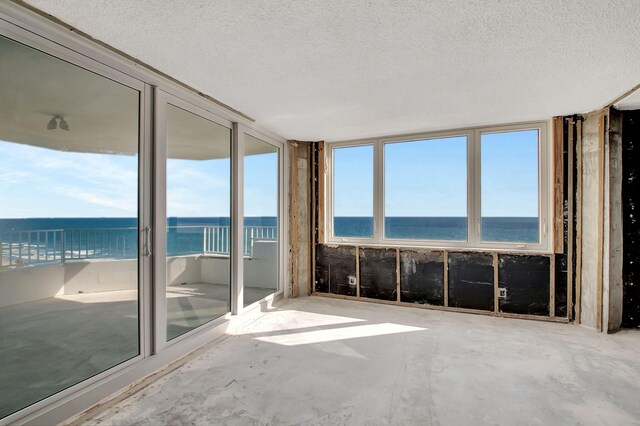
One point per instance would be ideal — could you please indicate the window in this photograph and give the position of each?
(509, 183)
(353, 192)
(425, 189)
(477, 188)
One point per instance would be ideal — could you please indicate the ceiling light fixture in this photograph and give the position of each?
(63, 124)
(53, 123)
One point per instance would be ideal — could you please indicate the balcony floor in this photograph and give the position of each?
(323, 361)
(53, 343)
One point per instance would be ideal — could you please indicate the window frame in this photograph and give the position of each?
(474, 191)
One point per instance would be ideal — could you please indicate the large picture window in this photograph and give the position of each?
(509, 182)
(425, 189)
(353, 191)
(475, 188)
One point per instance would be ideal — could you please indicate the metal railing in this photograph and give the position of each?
(21, 248)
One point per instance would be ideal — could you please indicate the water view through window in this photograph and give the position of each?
(426, 189)
(510, 186)
(353, 191)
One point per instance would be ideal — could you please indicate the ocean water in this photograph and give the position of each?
(500, 229)
(109, 237)
(118, 237)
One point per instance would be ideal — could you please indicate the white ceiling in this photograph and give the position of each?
(102, 115)
(340, 69)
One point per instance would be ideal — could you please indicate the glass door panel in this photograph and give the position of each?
(69, 266)
(260, 235)
(198, 191)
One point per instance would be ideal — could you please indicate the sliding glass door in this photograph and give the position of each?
(261, 219)
(197, 177)
(117, 237)
(69, 224)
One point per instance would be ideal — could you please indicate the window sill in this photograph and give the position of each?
(509, 249)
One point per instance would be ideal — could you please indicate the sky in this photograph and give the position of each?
(428, 178)
(44, 183)
(422, 178)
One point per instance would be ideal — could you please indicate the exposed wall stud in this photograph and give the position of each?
(552, 285)
(446, 277)
(293, 218)
(321, 192)
(398, 274)
(570, 239)
(599, 283)
(578, 271)
(357, 271)
(558, 185)
(496, 291)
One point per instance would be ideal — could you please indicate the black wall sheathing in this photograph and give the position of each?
(561, 286)
(631, 218)
(562, 259)
(471, 280)
(422, 277)
(334, 266)
(526, 280)
(378, 273)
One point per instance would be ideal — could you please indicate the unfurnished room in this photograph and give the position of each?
(319, 212)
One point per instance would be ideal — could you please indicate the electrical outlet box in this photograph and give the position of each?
(502, 293)
(352, 280)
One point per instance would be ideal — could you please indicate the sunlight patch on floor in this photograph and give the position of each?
(334, 334)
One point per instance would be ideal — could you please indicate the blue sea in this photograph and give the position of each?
(499, 229)
(44, 239)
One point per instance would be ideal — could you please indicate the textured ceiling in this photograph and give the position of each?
(338, 69)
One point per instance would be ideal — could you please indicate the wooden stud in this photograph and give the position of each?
(398, 274)
(558, 185)
(496, 291)
(599, 283)
(552, 285)
(313, 209)
(570, 223)
(293, 216)
(446, 277)
(578, 271)
(311, 195)
(357, 271)
(321, 192)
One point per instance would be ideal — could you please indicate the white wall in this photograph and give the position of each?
(31, 283)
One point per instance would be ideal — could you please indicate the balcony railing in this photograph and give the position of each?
(21, 248)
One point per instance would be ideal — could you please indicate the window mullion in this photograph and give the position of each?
(378, 191)
(474, 188)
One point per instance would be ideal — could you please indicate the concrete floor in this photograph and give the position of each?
(323, 361)
(51, 344)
